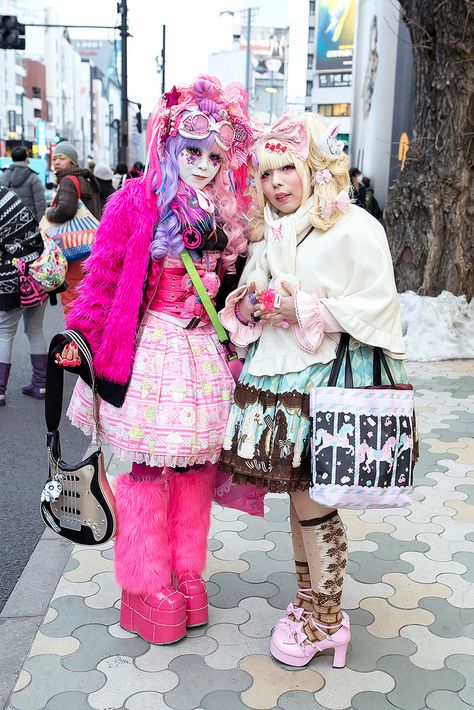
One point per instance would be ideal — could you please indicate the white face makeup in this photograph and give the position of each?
(199, 165)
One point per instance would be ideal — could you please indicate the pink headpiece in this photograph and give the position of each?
(203, 108)
(291, 130)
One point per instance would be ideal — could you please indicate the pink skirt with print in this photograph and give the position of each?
(177, 405)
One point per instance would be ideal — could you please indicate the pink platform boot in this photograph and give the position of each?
(188, 528)
(290, 645)
(151, 606)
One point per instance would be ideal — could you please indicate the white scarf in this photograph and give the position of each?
(278, 258)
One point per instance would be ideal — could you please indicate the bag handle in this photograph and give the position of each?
(343, 351)
(207, 303)
(76, 184)
(55, 380)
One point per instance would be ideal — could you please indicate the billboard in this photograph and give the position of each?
(335, 34)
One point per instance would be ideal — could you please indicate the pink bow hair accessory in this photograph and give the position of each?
(291, 130)
(323, 176)
(342, 202)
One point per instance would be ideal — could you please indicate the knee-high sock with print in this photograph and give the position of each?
(325, 543)
(303, 581)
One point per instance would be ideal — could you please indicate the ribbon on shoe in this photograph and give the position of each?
(342, 202)
(297, 611)
(293, 631)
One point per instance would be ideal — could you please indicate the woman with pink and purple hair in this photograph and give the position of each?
(163, 377)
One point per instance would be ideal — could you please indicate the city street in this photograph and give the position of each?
(409, 594)
(23, 468)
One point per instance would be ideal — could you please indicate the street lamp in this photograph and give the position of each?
(250, 12)
(273, 64)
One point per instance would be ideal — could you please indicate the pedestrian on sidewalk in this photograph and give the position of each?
(164, 379)
(20, 178)
(329, 266)
(120, 175)
(20, 238)
(104, 176)
(358, 191)
(65, 205)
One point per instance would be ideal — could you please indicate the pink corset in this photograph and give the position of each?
(175, 296)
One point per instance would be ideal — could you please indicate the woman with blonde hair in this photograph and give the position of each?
(318, 266)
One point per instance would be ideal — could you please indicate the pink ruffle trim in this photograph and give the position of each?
(314, 319)
(241, 335)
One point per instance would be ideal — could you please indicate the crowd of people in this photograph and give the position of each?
(264, 223)
(23, 192)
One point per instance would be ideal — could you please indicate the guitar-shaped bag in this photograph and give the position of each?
(76, 501)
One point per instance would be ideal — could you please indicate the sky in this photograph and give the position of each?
(194, 30)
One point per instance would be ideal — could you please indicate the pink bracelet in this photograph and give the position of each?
(241, 318)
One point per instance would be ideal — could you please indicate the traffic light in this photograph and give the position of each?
(138, 118)
(12, 33)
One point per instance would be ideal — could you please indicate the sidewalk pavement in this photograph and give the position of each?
(409, 593)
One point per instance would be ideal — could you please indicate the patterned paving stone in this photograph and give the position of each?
(413, 684)
(220, 513)
(258, 528)
(213, 544)
(270, 681)
(220, 699)
(262, 617)
(226, 525)
(233, 589)
(408, 593)
(124, 680)
(469, 491)
(146, 701)
(368, 572)
(56, 646)
(109, 592)
(260, 567)
(443, 550)
(47, 677)
(389, 620)
(388, 548)
(196, 680)
(233, 545)
(158, 658)
(449, 620)
(72, 613)
(463, 591)
(358, 529)
(214, 566)
(24, 679)
(367, 649)
(91, 562)
(406, 529)
(66, 588)
(71, 701)
(368, 700)
(444, 700)
(341, 684)
(463, 665)
(283, 550)
(278, 509)
(432, 650)
(466, 559)
(360, 617)
(464, 511)
(286, 584)
(108, 554)
(452, 531)
(96, 643)
(355, 591)
(299, 700)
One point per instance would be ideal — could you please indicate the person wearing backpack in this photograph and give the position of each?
(20, 178)
(69, 175)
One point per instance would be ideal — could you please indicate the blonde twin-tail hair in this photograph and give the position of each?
(338, 166)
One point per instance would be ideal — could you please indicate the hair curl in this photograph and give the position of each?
(306, 170)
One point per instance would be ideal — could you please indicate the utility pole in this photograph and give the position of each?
(163, 60)
(122, 9)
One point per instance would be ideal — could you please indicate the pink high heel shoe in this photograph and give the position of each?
(159, 618)
(194, 591)
(290, 645)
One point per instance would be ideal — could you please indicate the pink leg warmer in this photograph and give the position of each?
(189, 518)
(142, 550)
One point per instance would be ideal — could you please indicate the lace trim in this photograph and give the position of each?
(303, 342)
(159, 460)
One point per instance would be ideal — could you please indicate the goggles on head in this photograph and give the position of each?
(199, 125)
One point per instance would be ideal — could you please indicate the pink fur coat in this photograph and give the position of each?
(107, 310)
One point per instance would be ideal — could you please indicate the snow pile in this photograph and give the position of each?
(440, 328)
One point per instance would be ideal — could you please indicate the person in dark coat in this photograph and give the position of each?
(104, 176)
(25, 182)
(358, 189)
(20, 238)
(64, 207)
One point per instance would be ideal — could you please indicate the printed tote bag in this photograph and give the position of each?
(76, 236)
(362, 443)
